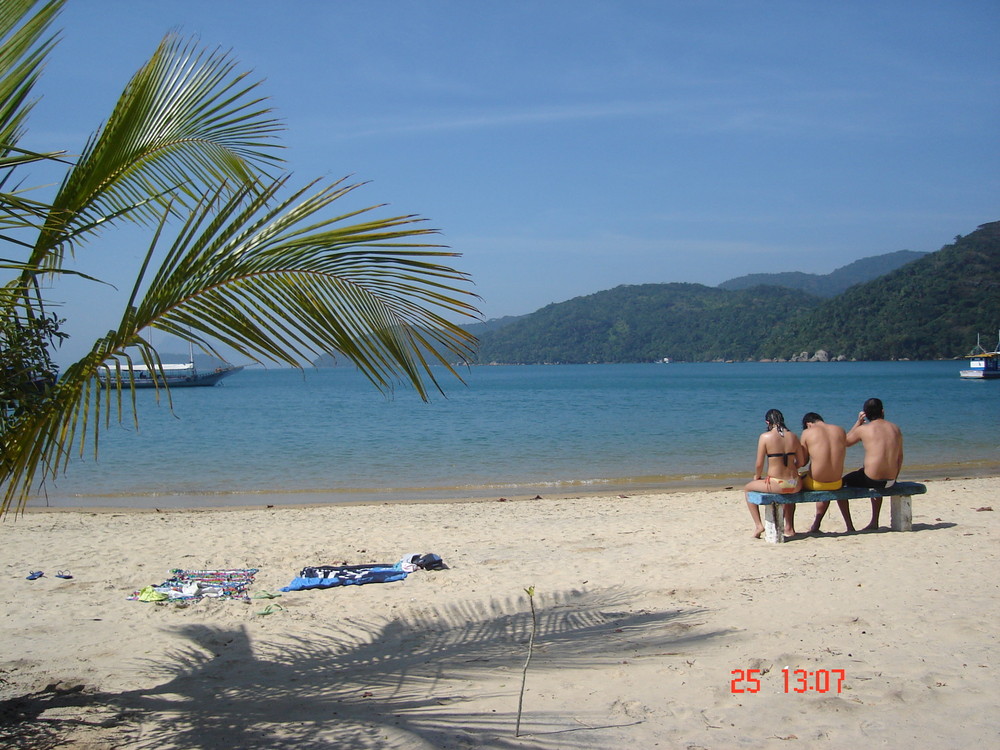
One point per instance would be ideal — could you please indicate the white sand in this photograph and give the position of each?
(645, 606)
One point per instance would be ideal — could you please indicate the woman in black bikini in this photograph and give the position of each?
(780, 448)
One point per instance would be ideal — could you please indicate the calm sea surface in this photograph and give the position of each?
(329, 436)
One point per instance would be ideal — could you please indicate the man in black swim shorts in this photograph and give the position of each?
(883, 444)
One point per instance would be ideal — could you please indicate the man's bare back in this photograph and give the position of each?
(883, 444)
(826, 445)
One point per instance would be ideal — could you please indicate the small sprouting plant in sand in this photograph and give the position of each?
(530, 591)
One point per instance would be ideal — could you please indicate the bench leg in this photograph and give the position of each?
(774, 523)
(901, 513)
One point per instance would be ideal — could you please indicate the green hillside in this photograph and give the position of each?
(929, 308)
(830, 284)
(645, 323)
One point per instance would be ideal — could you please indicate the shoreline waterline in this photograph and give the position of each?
(513, 431)
(511, 492)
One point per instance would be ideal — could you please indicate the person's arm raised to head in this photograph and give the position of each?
(854, 436)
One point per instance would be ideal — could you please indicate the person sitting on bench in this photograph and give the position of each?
(825, 446)
(780, 448)
(883, 444)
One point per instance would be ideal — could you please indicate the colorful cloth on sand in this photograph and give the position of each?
(328, 576)
(187, 585)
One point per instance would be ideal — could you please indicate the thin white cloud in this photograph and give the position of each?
(827, 110)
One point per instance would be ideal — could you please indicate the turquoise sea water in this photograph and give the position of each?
(329, 436)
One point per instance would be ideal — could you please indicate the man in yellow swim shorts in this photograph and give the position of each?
(825, 446)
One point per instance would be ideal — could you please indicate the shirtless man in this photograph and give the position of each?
(825, 446)
(883, 444)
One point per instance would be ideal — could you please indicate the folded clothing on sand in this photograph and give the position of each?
(416, 561)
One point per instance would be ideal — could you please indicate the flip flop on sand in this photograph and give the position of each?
(270, 609)
(34, 574)
(265, 595)
(64, 574)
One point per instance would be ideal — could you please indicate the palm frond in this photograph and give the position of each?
(17, 157)
(187, 121)
(273, 280)
(23, 50)
(22, 53)
(21, 217)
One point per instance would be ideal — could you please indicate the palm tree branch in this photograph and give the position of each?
(184, 121)
(271, 278)
(22, 53)
(272, 282)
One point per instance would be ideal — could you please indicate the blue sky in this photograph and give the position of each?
(569, 146)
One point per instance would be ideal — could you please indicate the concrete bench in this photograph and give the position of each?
(900, 494)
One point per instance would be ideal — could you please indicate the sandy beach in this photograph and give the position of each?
(651, 610)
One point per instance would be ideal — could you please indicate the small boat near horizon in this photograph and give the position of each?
(173, 376)
(983, 364)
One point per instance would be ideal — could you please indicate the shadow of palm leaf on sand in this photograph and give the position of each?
(441, 678)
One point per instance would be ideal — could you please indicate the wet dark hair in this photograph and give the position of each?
(775, 418)
(873, 409)
(810, 417)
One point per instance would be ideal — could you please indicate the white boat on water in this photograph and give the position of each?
(983, 365)
(173, 376)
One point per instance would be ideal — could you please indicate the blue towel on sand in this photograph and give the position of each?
(328, 576)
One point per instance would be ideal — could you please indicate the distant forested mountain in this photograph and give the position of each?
(645, 323)
(930, 307)
(830, 284)
(478, 329)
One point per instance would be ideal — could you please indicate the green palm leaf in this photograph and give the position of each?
(279, 279)
(278, 282)
(273, 280)
(22, 53)
(185, 121)
(23, 50)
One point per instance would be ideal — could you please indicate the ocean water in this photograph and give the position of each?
(329, 436)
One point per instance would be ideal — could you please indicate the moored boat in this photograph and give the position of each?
(173, 376)
(983, 364)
